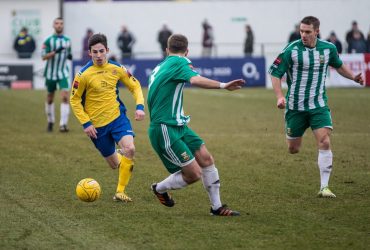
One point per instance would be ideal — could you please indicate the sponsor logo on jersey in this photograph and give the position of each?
(277, 61)
(103, 83)
(192, 68)
(75, 85)
(114, 72)
(322, 59)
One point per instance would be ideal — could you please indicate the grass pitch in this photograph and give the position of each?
(274, 191)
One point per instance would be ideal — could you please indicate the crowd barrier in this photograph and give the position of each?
(27, 74)
(220, 69)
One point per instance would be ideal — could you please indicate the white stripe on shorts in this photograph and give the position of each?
(167, 146)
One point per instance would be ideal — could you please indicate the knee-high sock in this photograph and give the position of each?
(64, 113)
(174, 181)
(50, 112)
(325, 162)
(125, 171)
(211, 182)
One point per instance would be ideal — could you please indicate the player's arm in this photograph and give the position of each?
(134, 87)
(207, 83)
(47, 53)
(277, 71)
(276, 85)
(78, 89)
(341, 68)
(347, 73)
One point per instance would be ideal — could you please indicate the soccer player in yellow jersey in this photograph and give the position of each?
(96, 104)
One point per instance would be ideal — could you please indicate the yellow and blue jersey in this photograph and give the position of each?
(95, 95)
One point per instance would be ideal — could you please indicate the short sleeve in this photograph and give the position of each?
(334, 59)
(280, 65)
(186, 70)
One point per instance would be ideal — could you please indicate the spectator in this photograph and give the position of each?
(249, 41)
(126, 42)
(350, 33)
(334, 40)
(163, 36)
(357, 43)
(24, 44)
(207, 40)
(295, 35)
(85, 45)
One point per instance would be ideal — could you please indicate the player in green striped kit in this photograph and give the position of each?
(305, 62)
(56, 50)
(181, 150)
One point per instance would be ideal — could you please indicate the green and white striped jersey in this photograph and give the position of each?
(306, 70)
(165, 95)
(57, 67)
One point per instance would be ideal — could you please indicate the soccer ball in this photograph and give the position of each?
(88, 190)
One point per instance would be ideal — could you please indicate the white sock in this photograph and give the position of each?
(174, 181)
(325, 162)
(64, 113)
(211, 182)
(50, 112)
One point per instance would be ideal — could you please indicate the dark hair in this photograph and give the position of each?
(311, 20)
(98, 38)
(177, 43)
(58, 18)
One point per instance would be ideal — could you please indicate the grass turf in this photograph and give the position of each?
(274, 191)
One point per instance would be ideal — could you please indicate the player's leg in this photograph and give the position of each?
(64, 105)
(125, 157)
(209, 173)
(189, 174)
(49, 104)
(211, 183)
(176, 157)
(296, 123)
(294, 144)
(210, 177)
(321, 125)
(106, 144)
(124, 137)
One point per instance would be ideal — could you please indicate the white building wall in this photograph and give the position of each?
(271, 20)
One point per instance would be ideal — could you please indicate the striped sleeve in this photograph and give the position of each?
(334, 59)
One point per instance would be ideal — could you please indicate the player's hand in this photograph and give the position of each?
(58, 50)
(91, 132)
(139, 115)
(235, 84)
(358, 78)
(281, 102)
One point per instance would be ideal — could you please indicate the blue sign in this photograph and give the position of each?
(252, 69)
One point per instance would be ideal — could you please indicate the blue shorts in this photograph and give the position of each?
(111, 134)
